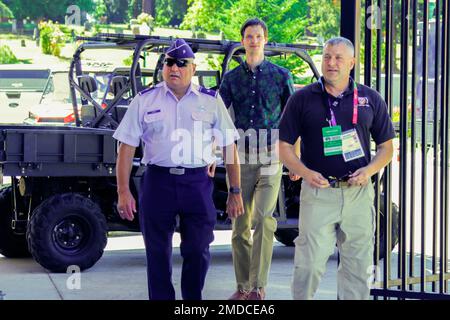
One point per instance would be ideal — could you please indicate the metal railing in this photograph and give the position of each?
(418, 266)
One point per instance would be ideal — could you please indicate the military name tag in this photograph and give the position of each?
(332, 140)
(351, 146)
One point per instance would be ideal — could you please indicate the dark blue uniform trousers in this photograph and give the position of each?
(164, 196)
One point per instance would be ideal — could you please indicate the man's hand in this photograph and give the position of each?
(315, 179)
(235, 206)
(126, 205)
(360, 177)
(211, 169)
(293, 176)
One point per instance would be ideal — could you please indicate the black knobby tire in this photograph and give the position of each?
(286, 236)
(67, 230)
(12, 245)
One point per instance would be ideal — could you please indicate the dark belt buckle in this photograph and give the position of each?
(177, 171)
(339, 182)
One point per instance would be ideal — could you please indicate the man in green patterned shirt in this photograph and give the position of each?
(257, 91)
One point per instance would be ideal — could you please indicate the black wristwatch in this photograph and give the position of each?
(234, 190)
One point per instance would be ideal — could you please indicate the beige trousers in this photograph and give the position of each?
(328, 216)
(252, 257)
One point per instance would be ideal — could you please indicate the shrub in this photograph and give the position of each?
(145, 18)
(128, 61)
(7, 56)
(133, 22)
(201, 35)
(52, 38)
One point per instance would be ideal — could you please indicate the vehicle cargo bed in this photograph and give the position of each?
(56, 151)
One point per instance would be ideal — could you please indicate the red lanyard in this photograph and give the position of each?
(355, 104)
(355, 108)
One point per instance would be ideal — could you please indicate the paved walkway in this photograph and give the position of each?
(121, 275)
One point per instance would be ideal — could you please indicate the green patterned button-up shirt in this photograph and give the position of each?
(257, 98)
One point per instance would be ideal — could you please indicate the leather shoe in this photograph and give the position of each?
(239, 295)
(257, 294)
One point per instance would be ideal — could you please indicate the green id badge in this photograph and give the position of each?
(332, 140)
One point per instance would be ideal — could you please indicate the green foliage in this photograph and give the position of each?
(201, 35)
(170, 12)
(324, 19)
(100, 13)
(292, 63)
(68, 31)
(128, 61)
(286, 20)
(50, 9)
(209, 15)
(116, 10)
(134, 8)
(146, 18)
(215, 62)
(52, 38)
(5, 12)
(7, 56)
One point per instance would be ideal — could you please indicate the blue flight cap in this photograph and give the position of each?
(179, 49)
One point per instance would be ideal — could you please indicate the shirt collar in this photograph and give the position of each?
(320, 88)
(192, 89)
(260, 67)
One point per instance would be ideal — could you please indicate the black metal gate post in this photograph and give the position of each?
(416, 87)
(350, 29)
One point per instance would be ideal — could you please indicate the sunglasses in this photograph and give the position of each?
(181, 63)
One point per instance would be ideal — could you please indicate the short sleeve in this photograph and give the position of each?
(225, 91)
(225, 132)
(288, 89)
(130, 130)
(382, 128)
(290, 120)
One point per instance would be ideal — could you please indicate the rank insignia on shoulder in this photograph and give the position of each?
(212, 93)
(146, 91)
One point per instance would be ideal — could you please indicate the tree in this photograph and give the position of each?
(286, 19)
(208, 15)
(48, 9)
(324, 18)
(148, 6)
(171, 12)
(116, 10)
(135, 8)
(4, 11)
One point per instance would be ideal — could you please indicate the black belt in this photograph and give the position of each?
(339, 184)
(176, 170)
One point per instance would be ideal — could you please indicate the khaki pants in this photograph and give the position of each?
(260, 185)
(328, 216)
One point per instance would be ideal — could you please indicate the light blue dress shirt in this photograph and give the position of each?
(177, 132)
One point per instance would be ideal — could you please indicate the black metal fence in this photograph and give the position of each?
(405, 56)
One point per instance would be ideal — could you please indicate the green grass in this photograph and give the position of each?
(12, 36)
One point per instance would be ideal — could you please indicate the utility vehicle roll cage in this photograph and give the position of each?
(140, 44)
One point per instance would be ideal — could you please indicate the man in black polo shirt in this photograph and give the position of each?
(335, 119)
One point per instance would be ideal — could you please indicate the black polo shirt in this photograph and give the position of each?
(306, 113)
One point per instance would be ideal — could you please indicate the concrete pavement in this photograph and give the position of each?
(121, 275)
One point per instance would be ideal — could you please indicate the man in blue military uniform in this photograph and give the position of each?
(178, 123)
